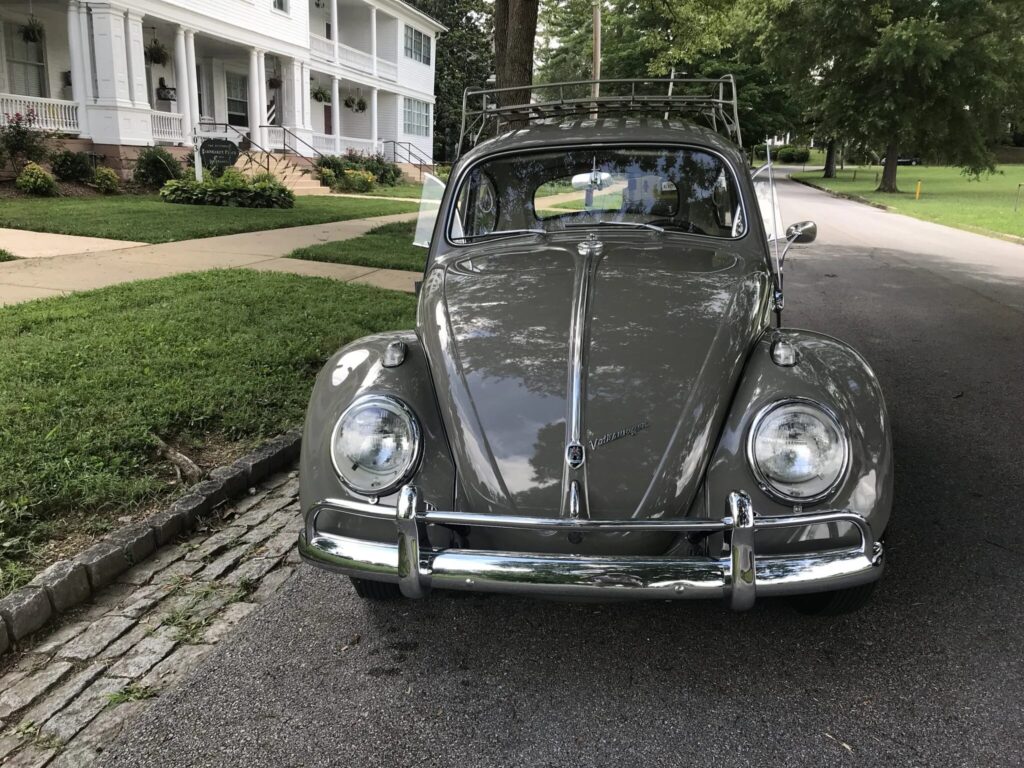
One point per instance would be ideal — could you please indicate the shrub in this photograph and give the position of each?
(354, 180)
(21, 142)
(7, 255)
(760, 151)
(384, 172)
(36, 180)
(72, 166)
(328, 177)
(155, 166)
(106, 181)
(443, 172)
(801, 154)
(232, 189)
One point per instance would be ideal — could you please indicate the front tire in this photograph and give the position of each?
(835, 603)
(375, 590)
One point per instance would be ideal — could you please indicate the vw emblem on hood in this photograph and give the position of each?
(574, 455)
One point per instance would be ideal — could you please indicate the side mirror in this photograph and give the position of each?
(593, 180)
(803, 232)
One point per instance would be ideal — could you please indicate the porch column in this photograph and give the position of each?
(86, 52)
(261, 62)
(193, 79)
(181, 96)
(373, 37)
(373, 117)
(79, 72)
(335, 32)
(112, 89)
(254, 95)
(336, 114)
(307, 113)
(136, 60)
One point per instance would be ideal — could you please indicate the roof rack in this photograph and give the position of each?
(712, 100)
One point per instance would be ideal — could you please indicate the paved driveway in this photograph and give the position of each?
(929, 674)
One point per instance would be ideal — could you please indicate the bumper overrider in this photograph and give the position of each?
(739, 576)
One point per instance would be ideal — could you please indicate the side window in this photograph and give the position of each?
(476, 209)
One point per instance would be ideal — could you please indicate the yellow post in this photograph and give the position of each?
(917, 193)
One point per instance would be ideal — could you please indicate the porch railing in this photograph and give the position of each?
(355, 58)
(51, 114)
(336, 145)
(387, 69)
(168, 126)
(321, 47)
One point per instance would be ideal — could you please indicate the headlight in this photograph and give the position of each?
(375, 445)
(798, 451)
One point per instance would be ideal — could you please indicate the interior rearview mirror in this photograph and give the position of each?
(592, 180)
(802, 232)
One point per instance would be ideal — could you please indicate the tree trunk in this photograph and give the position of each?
(830, 160)
(515, 29)
(889, 170)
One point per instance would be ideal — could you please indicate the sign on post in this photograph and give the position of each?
(218, 153)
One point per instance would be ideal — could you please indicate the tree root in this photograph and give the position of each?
(184, 467)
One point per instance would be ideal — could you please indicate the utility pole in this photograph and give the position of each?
(596, 89)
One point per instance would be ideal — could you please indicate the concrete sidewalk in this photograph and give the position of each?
(60, 275)
(41, 245)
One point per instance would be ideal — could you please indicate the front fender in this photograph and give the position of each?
(357, 370)
(831, 373)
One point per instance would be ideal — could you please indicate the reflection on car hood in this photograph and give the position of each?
(669, 325)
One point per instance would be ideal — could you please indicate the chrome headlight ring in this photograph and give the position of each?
(772, 487)
(406, 467)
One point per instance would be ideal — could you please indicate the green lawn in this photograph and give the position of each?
(387, 247)
(947, 196)
(209, 362)
(148, 219)
(412, 191)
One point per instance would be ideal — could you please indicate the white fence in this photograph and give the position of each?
(168, 126)
(50, 114)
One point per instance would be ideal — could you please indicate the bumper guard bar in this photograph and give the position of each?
(740, 576)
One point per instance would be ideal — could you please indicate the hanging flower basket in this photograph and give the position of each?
(273, 82)
(157, 53)
(360, 105)
(321, 94)
(32, 30)
(350, 102)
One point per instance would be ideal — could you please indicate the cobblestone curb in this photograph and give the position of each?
(68, 691)
(69, 583)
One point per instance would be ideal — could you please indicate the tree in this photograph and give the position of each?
(696, 38)
(515, 28)
(464, 58)
(933, 78)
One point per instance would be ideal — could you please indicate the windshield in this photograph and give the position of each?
(686, 191)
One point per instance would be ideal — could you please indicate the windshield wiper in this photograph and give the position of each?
(653, 227)
(500, 232)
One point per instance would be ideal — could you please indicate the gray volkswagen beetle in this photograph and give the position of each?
(599, 399)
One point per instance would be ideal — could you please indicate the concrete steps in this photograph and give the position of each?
(293, 171)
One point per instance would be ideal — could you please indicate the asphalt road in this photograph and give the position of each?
(929, 674)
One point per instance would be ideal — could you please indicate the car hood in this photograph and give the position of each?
(668, 326)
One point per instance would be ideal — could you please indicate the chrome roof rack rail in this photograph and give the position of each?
(709, 100)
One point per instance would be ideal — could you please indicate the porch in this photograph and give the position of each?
(355, 36)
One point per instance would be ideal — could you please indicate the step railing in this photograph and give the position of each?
(407, 152)
(290, 141)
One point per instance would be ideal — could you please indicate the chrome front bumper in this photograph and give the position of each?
(739, 576)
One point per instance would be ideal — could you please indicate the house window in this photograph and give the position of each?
(281, 5)
(417, 117)
(26, 64)
(238, 99)
(417, 45)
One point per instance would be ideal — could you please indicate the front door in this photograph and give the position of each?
(328, 120)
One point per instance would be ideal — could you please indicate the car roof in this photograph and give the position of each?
(619, 130)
